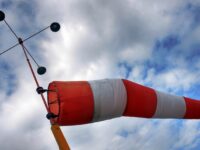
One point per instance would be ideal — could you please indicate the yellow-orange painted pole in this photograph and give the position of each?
(60, 139)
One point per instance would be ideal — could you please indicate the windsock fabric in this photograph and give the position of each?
(81, 102)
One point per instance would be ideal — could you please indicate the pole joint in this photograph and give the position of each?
(20, 41)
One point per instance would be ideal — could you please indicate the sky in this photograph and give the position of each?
(154, 43)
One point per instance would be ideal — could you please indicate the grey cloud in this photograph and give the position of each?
(93, 38)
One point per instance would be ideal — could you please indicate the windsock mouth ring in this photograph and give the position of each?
(72, 102)
(53, 101)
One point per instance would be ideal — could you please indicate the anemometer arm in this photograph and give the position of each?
(60, 139)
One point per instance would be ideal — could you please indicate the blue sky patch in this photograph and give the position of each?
(195, 11)
(127, 67)
(7, 78)
(163, 49)
(169, 42)
(6, 3)
(124, 133)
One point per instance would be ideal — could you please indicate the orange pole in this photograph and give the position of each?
(60, 139)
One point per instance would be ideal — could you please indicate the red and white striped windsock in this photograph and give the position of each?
(81, 102)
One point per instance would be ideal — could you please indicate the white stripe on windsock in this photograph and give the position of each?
(169, 106)
(110, 98)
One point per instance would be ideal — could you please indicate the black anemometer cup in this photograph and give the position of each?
(55, 27)
(41, 70)
(2, 15)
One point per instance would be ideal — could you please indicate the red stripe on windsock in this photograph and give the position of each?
(72, 102)
(141, 100)
(192, 108)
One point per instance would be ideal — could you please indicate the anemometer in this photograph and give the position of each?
(54, 27)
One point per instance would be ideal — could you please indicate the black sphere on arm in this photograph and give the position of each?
(2, 15)
(41, 70)
(55, 27)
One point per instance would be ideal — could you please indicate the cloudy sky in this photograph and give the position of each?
(155, 43)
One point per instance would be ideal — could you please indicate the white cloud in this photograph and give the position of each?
(188, 137)
(173, 79)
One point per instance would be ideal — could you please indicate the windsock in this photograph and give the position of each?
(81, 102)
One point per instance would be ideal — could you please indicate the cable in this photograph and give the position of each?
(35, 34)
(26, 51)
(22, 40)
(9, 49)
(31, 56)
(11, 29)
